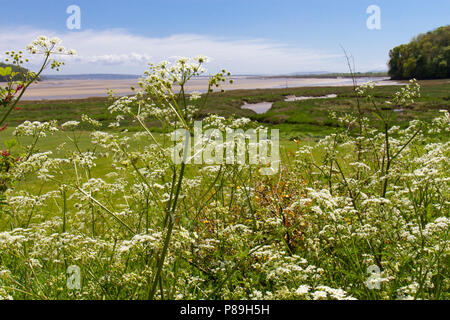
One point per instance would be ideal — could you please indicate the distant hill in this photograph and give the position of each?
(308, 73)
(427, 56)
(14, 69)
(90, 77)
(332, 75)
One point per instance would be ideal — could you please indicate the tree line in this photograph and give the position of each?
(427, 56)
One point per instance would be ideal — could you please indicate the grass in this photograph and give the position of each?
(60, 147)
(147, 229)
(305, 120)
(308, 118)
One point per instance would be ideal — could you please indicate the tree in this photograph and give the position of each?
(427, 56)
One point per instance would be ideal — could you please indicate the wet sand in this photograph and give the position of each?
(263, 107)
(77, 89)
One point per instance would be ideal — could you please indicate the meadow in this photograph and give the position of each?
(93, 206)
(298, 119)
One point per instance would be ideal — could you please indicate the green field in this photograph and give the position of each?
(309, 118)
(306, 120)
(348, 197)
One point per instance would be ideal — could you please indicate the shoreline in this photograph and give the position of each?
(83, 89)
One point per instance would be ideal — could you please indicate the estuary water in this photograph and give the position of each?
(78, 89)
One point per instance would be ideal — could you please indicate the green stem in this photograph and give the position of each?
(24, 89)
(170, 217)
(64, 210)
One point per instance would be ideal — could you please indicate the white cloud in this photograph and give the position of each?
(134, 59)
(118, 51)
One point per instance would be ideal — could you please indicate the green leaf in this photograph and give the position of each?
(5, 71)
(9, 144)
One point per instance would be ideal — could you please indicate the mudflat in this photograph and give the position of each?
(73, 89)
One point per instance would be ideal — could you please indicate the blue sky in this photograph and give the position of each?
(245, 36)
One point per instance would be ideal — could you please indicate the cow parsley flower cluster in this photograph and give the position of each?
(139, 225)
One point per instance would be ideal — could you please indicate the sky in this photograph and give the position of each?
(243, 36)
